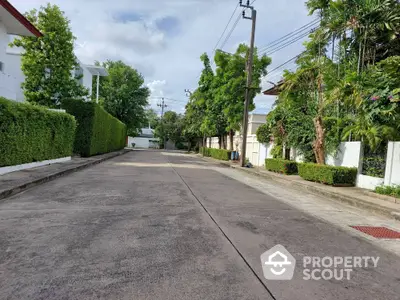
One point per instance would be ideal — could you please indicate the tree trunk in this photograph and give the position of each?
(209, 142)
(319, 143)
(231, 140)
(204, 142)
(220, 142)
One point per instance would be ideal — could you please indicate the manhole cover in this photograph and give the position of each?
(378, 232)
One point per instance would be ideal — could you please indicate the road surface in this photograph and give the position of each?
(154, 225)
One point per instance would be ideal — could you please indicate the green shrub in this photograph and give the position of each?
(97, 132)
(393, 191)
(282, 166)
(31, 133)
(328, 174)
(220, 154)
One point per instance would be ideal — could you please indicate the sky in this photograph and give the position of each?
(163, 39)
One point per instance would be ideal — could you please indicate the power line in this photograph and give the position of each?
(232, 29)
(234, 26)
(289, 35)
(285, 63)
(226, 27)
(288, 43)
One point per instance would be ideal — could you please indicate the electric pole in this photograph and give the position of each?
(163, 105)
(249, 78)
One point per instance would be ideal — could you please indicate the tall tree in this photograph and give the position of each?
(170, 128)
(124, 95)
(47, 61)
(230, 84)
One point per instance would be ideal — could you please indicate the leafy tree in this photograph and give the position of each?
(124, 95)
(47, 61)
(230, 84)
(170, 128)
(152, 119)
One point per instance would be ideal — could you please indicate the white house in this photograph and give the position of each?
(145, 139)
(12, 25)
(12, 22)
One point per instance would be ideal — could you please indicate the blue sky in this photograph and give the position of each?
(164, 39)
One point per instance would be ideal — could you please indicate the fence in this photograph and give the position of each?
(349, 154)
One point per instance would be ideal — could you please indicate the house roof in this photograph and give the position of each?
(15, 22)
(275, 90)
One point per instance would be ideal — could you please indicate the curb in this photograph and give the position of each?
(18, 189)
(332, 196)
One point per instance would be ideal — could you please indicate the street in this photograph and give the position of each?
(155, 225)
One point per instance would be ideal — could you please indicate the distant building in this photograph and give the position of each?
(145, 139)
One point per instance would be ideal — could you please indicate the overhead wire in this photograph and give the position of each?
(288, 43)
(288, 36)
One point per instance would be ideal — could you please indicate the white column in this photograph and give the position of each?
(98, 84)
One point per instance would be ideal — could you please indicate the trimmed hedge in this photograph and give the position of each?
(97, 132)
(31, 133)
(328, 174)
(220, 154)
(282, 166)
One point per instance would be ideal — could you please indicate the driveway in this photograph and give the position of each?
(154, 225)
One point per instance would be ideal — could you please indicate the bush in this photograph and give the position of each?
(220, 154)
(393, 191)
(97, 132)
(31, 133)
(282, 166)
(328, 174)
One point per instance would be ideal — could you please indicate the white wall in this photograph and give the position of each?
(348, 155)
(392, 172)
(3, 42)
(13, 68)
(143, 142)
(87, 80)
(368, 182)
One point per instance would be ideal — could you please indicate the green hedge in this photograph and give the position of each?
(220, 154)
(282, 166)
(393, 191)
(97, 132)
(328, 174)
(31, 133)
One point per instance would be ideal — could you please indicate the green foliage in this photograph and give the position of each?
(230, 83)
(220, 154)
(393, 191)
(328, 174)
(97, 132)
(124, 95)
(47, 61)
(277, 150)
(374, 162)
(170, 127)
(264, 134)
(152, 119)
(31, 133)
(347, 92)
(282, 166)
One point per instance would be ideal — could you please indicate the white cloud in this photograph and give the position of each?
(170, 62)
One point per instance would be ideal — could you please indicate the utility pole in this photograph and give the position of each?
(163, 105)
(253, 18)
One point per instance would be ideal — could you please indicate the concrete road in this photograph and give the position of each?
(149, 225)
